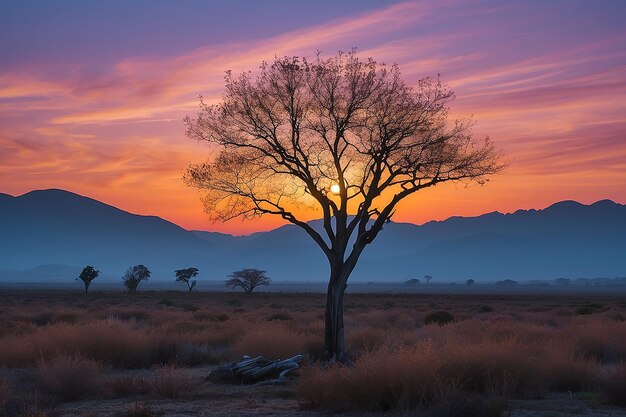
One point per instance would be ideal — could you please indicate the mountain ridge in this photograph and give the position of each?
(567, 238)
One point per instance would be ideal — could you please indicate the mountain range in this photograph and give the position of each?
(52, 234)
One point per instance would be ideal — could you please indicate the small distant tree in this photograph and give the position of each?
(186, 275)
(427, 278)
(507, 283)
(88, 274)
(248, 279)
(134, 275)
(412, 281)
(562, 281)
(470, 282)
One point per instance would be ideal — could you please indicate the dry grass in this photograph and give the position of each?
(613, 385)
(276, 340)
(129, 386)
(172, 382)
(68, 376)
(419, 377)
(34, 410)
(493, 358)
(496, 347)
(6, 395)
(139, 410)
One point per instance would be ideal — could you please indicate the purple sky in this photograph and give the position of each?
(92, 93)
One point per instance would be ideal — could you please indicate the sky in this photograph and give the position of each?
(92, 94)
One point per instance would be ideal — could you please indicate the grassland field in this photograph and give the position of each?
(111, 353)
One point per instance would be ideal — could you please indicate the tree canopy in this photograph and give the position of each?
(134, 275)
(186, 275)
(248, 279)
(345, 137)
(88, 274)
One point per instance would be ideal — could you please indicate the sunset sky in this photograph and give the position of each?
(92, 94)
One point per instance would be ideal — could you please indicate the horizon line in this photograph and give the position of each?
(312, 220)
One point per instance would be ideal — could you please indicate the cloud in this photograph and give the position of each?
(557, 109)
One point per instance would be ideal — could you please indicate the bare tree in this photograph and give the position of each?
(88, 274)
(134, 275)
(248, 279)
(344, 137)
(186, 275)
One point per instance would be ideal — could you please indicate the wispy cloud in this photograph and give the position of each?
(557, 110)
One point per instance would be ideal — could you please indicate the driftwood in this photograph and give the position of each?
(259, 370)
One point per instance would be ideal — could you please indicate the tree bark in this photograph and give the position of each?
(334, 344)
(340, 270)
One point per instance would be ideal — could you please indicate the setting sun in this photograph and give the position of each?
(335, 189)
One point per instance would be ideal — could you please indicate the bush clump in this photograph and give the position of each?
(439, 317)
(613, 385)
(68, 376)
(584, 310)
(172, 382)
(282, 316)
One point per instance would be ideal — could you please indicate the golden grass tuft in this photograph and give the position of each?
(68, 376)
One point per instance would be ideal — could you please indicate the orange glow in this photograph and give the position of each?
(117, 135)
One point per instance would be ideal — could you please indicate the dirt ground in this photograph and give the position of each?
(219, 400)
(278, 402)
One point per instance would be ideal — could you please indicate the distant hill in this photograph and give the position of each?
(49, 233)
(58, 227)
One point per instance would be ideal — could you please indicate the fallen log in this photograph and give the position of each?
(255, 370)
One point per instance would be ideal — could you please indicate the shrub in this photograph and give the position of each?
(68, 376)
(172, 382)
(220, 317)
(275, 340)
(439, 317)
(113, 342)
(423, 376)
(365, 339)
(584, 310)
(193, 354)
(282, 316)
(212, 316)
(380, 380)
(613, 385)
(565, 370)
(190, 307)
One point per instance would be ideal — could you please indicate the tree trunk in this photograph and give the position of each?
(334, 346)
(87, 287)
